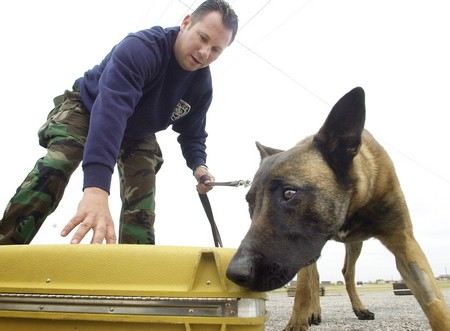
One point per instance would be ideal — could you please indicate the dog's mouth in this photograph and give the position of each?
(279, 276)
(257, 274)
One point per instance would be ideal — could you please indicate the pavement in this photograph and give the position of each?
(392, 312)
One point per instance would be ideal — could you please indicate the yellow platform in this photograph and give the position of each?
(123, 287)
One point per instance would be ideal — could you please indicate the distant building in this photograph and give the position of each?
(443, 277)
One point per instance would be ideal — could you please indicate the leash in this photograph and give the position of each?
(209, 214)
(208, 210)
(235, 183)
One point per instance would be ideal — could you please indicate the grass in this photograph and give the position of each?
(338, 289)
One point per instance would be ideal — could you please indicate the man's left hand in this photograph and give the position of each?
(204, 179)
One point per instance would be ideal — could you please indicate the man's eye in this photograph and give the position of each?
(289, 194)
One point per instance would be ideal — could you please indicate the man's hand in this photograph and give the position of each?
(93, 213)
(204, 178)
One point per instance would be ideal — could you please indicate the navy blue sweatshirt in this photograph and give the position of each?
(139, 89)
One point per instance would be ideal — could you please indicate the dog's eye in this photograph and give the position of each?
(289, 194)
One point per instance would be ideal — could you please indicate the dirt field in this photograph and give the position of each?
(392, 312)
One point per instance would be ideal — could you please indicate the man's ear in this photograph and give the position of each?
(265, 151)
(185, 23)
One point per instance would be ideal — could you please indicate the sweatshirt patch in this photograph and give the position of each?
(181, 110)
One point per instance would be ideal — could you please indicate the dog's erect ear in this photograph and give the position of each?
(265, 151)
(339, 138)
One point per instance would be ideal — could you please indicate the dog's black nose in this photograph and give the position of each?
(241, 271)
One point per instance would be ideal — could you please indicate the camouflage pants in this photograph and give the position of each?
(64, 135)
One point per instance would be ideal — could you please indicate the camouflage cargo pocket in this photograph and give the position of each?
(68, 120)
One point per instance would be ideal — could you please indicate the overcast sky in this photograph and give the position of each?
(291, 61)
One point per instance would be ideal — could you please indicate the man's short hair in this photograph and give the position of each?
(229, 17)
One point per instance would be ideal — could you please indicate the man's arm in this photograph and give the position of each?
(192, 142)
(192, 130)
(119, 90)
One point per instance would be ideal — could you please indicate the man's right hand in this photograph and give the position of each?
(92, 213)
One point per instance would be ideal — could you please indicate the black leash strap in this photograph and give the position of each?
(207, 207)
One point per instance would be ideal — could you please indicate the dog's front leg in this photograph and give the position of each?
(352, 252)
(306, 309)
(418, 276)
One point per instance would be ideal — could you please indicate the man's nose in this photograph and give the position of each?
(205, 52)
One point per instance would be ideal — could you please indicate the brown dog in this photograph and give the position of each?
(338, 184)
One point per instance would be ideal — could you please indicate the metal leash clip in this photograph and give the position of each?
(235, 183)
(207, 205)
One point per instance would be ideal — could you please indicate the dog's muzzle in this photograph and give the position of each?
(253, 272)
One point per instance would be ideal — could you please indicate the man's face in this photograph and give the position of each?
(199, 44)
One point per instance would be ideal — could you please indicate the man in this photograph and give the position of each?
(150, 80)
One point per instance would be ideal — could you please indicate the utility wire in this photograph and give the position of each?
(318, 97)
(417, 163)
(284, 73)
(254, 15)
(189, 8)
(287, 19)
(164, 11)
(307, 89)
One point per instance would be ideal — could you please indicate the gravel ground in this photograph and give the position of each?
(392, 312)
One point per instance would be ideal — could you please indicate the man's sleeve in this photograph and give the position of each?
(119, 91)
(192, 130)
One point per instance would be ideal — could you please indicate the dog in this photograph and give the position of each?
(338, 184)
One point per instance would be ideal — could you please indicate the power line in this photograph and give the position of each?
(254, 16)
(188, 7)
(304, 87)
(240, 26)
(164, 11)
(318, 97)
(284, 73)
(287, 19)
(417, 163)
